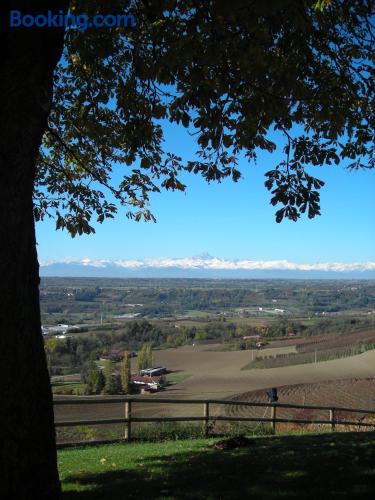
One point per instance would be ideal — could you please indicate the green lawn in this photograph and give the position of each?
(67, 388)
(177, 377)
(317, 466)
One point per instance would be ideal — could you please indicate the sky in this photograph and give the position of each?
(232, 220)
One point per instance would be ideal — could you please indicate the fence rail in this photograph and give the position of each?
(206, 417)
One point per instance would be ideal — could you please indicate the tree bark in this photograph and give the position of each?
(28, 467)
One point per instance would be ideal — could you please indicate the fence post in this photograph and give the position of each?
(206, 414)
(273, 416)
(128, 416)
(332, 419)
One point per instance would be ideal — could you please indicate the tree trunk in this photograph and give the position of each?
(28, 466)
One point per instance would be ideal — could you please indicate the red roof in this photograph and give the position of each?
(144, 379)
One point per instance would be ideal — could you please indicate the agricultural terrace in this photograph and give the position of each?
(219, 374)
(346, 393)
(199, 372)
(317, 349)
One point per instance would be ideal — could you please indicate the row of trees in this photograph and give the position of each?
(111, 381)
(145, 357)
(74, 351)
(107, 380)
(68, 355)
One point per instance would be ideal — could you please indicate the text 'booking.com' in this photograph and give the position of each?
(59, 19)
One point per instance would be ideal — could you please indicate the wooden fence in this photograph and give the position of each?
(206, 417)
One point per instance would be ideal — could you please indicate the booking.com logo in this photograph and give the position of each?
(67, 20)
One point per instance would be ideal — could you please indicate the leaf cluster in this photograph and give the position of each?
(232, 74)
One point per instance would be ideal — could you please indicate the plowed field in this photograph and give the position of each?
(218, 375)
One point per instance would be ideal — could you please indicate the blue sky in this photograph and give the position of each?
(233, 220)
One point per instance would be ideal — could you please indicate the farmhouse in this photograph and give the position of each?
(59, 329)
(150, 383)
(155, 371)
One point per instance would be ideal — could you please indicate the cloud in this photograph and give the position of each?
(215, 263)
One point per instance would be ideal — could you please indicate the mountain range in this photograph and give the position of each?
(206, 266)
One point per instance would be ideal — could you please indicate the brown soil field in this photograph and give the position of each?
(337, 341)
(346, 393)
(349, 393)
(218, 375)
(326, 341)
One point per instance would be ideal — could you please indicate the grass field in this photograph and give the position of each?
(177, 377)
(321, 466)
(67, 388)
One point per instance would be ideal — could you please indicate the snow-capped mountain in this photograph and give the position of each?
(206, 266)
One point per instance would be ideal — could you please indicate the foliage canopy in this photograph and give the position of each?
(145, 357)
(125, 373)
(231, 73)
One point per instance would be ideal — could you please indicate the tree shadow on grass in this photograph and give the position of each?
(300, 467)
